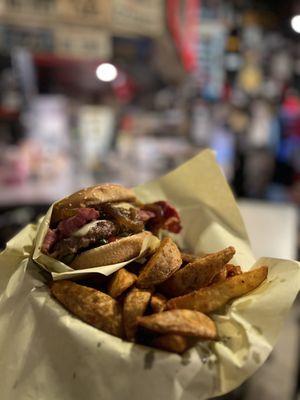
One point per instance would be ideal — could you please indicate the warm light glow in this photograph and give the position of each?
(295, 23)
(106, 72)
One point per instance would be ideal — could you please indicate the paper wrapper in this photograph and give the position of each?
(46, 353)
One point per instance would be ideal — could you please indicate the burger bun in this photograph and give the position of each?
(121, 250)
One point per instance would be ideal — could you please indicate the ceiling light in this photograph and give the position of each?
(295, 23)
(106, 72)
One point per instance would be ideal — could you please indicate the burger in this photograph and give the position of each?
(103, 225)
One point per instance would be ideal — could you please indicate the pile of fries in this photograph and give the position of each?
(163, 302)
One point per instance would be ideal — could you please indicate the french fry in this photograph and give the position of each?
(197, 274)
(182, 322)
(158, 302)
(211, 298)
(161, 265)
(90, 305)
(134, 306)
(120, 281)
(174, 343)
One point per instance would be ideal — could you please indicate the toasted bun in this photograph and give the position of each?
(121, 250)
(92, 196)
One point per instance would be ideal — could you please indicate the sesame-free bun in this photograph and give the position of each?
(112, 253)
(92, 196)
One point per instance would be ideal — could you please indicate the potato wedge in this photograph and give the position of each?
(197, 274)
(182, 322)
(188, 257)
(228, 271)
(233, 270)
(174, 343)
(120, 281)
(221, 276)
(90, 305)
(211, 298)
(161, 265)
(134, 306)
(158, 302)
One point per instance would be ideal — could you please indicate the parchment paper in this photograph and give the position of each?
(46, 353)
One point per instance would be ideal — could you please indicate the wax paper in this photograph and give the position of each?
(46, 353)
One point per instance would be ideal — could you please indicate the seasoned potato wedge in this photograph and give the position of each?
(134, 306)
(174, 343)
(211, 298)
(182, 322)
(228, 271)
(188, 257)
(161, 266)
(221, 276)
(90, 305)
(233, 270)
(158, 302)
(120, 281)
(197, 274)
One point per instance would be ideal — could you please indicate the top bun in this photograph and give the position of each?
(91, 196)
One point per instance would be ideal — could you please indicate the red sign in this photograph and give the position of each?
(183, 19)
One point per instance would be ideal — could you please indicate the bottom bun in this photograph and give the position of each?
(112, 253)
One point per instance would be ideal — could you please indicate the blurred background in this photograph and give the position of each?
(125, 90)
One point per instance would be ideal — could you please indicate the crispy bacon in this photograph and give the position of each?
(145, 215)
(171, 217)
(172, 224)
(49, 241)
(72, 224)
(166, 217)
(66, 227)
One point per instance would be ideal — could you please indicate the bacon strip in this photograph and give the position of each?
(145, 215)
(49, 241)
(171, 217)
(66, 227)
(72, 224)
(165, 217)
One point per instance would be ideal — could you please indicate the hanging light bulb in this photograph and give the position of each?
(106, 72)
(295, 23)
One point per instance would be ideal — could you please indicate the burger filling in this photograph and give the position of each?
(86, 228)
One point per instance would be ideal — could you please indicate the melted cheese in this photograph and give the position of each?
(127, 206)
(84, 230)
